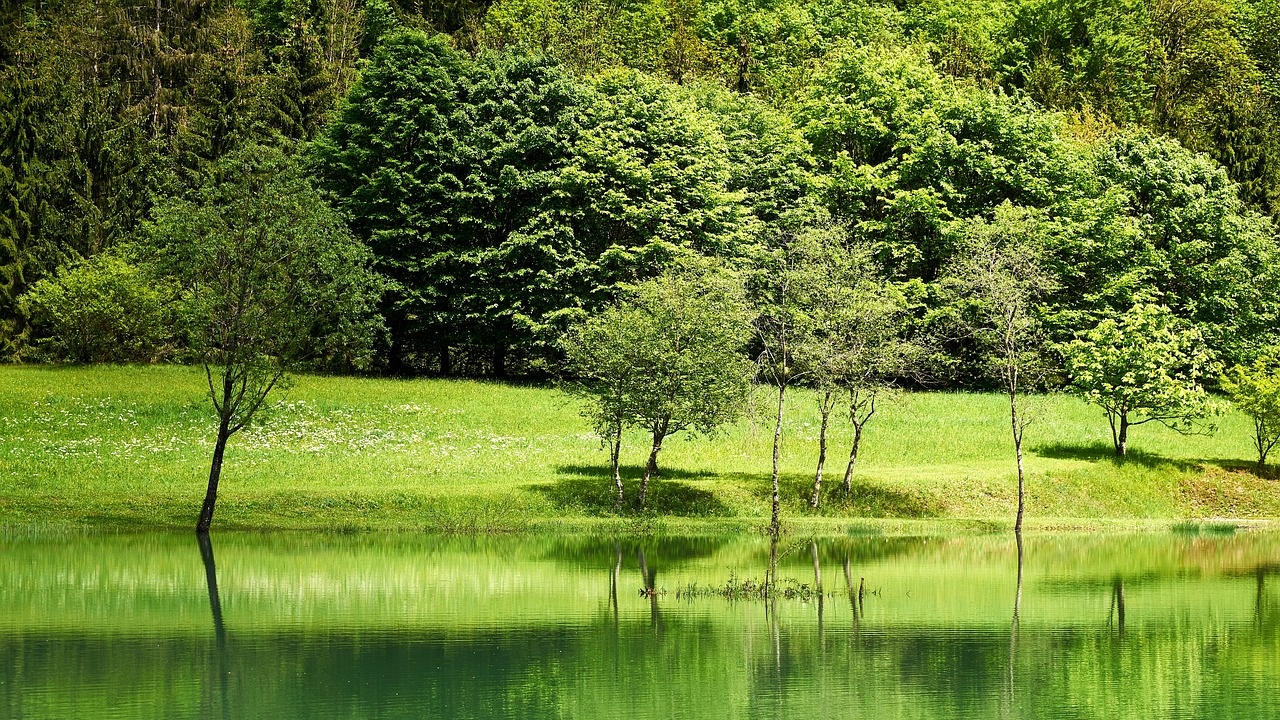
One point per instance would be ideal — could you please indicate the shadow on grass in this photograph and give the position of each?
(865, 499)
(630, 472)
(1100, 451)
(1270, 472)
(593, 493)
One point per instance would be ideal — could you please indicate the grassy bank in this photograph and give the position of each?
(128, 447)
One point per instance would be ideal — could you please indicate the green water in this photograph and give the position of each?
(304, 626)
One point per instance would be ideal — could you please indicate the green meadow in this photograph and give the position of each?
(128, 448)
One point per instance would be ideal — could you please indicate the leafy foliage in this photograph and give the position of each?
(667, 358)
(269, 275)
(523, 197)
(1145, 366)
(102, 310)
(512, 164)
(1255, 389)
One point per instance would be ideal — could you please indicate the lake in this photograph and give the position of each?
(1159, 625)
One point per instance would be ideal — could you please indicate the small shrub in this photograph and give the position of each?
(100, 310)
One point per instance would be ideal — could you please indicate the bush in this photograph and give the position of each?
(100, 310)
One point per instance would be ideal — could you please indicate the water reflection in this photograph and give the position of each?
(219, 664)
(359, 626)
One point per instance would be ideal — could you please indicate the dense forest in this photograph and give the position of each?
(509, 165)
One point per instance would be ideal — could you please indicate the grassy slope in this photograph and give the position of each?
(128, 447)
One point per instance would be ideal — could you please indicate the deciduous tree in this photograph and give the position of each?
(668, 358)
(1001, 270)
(271, 280)
(1144, 366)
(1255, 389)
(858, 346)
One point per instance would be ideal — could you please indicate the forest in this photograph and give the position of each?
(505, 170)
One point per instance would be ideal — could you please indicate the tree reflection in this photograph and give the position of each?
(649, 576)
(855, 595)
(614, 577)
(1117, 605)
(1264, 607)
(220, 662)
(817, 587)
(1007, 708)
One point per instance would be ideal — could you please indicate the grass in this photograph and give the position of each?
(128, 447)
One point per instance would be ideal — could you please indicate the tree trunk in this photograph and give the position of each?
(853, 458)
(500, 360)
(446, 362)
(775, 523)
(1260, 438)
(1017, 446)
(825, 411)
(615, 451)
(1122, 439)
(651, 467)
(215, 473)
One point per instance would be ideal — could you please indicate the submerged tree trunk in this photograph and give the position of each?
(211, 582)
(614, 453)
(215, 474)
(1117, 602)
(1017, 600)
(825, 410)
(848, 583)
(775, 523)
(650, 579)
(219, 629)
(817, 581)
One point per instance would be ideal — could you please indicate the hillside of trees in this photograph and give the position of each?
(511, 165)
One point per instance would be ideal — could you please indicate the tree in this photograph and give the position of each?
(524, 196)
(667, 358)
(787, 275)
(1255, 389)
(1070, 54)
(857, 348)
(1001, 270)
(1210, 259)
(905, 151)
(600, 354)
(271, 280)
(1145, 366)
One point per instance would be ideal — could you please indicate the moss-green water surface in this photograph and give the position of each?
(1161, 625)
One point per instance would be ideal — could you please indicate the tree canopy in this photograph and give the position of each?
(512, 165)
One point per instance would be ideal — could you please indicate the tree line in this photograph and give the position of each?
(511, 175)
(863, 195)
